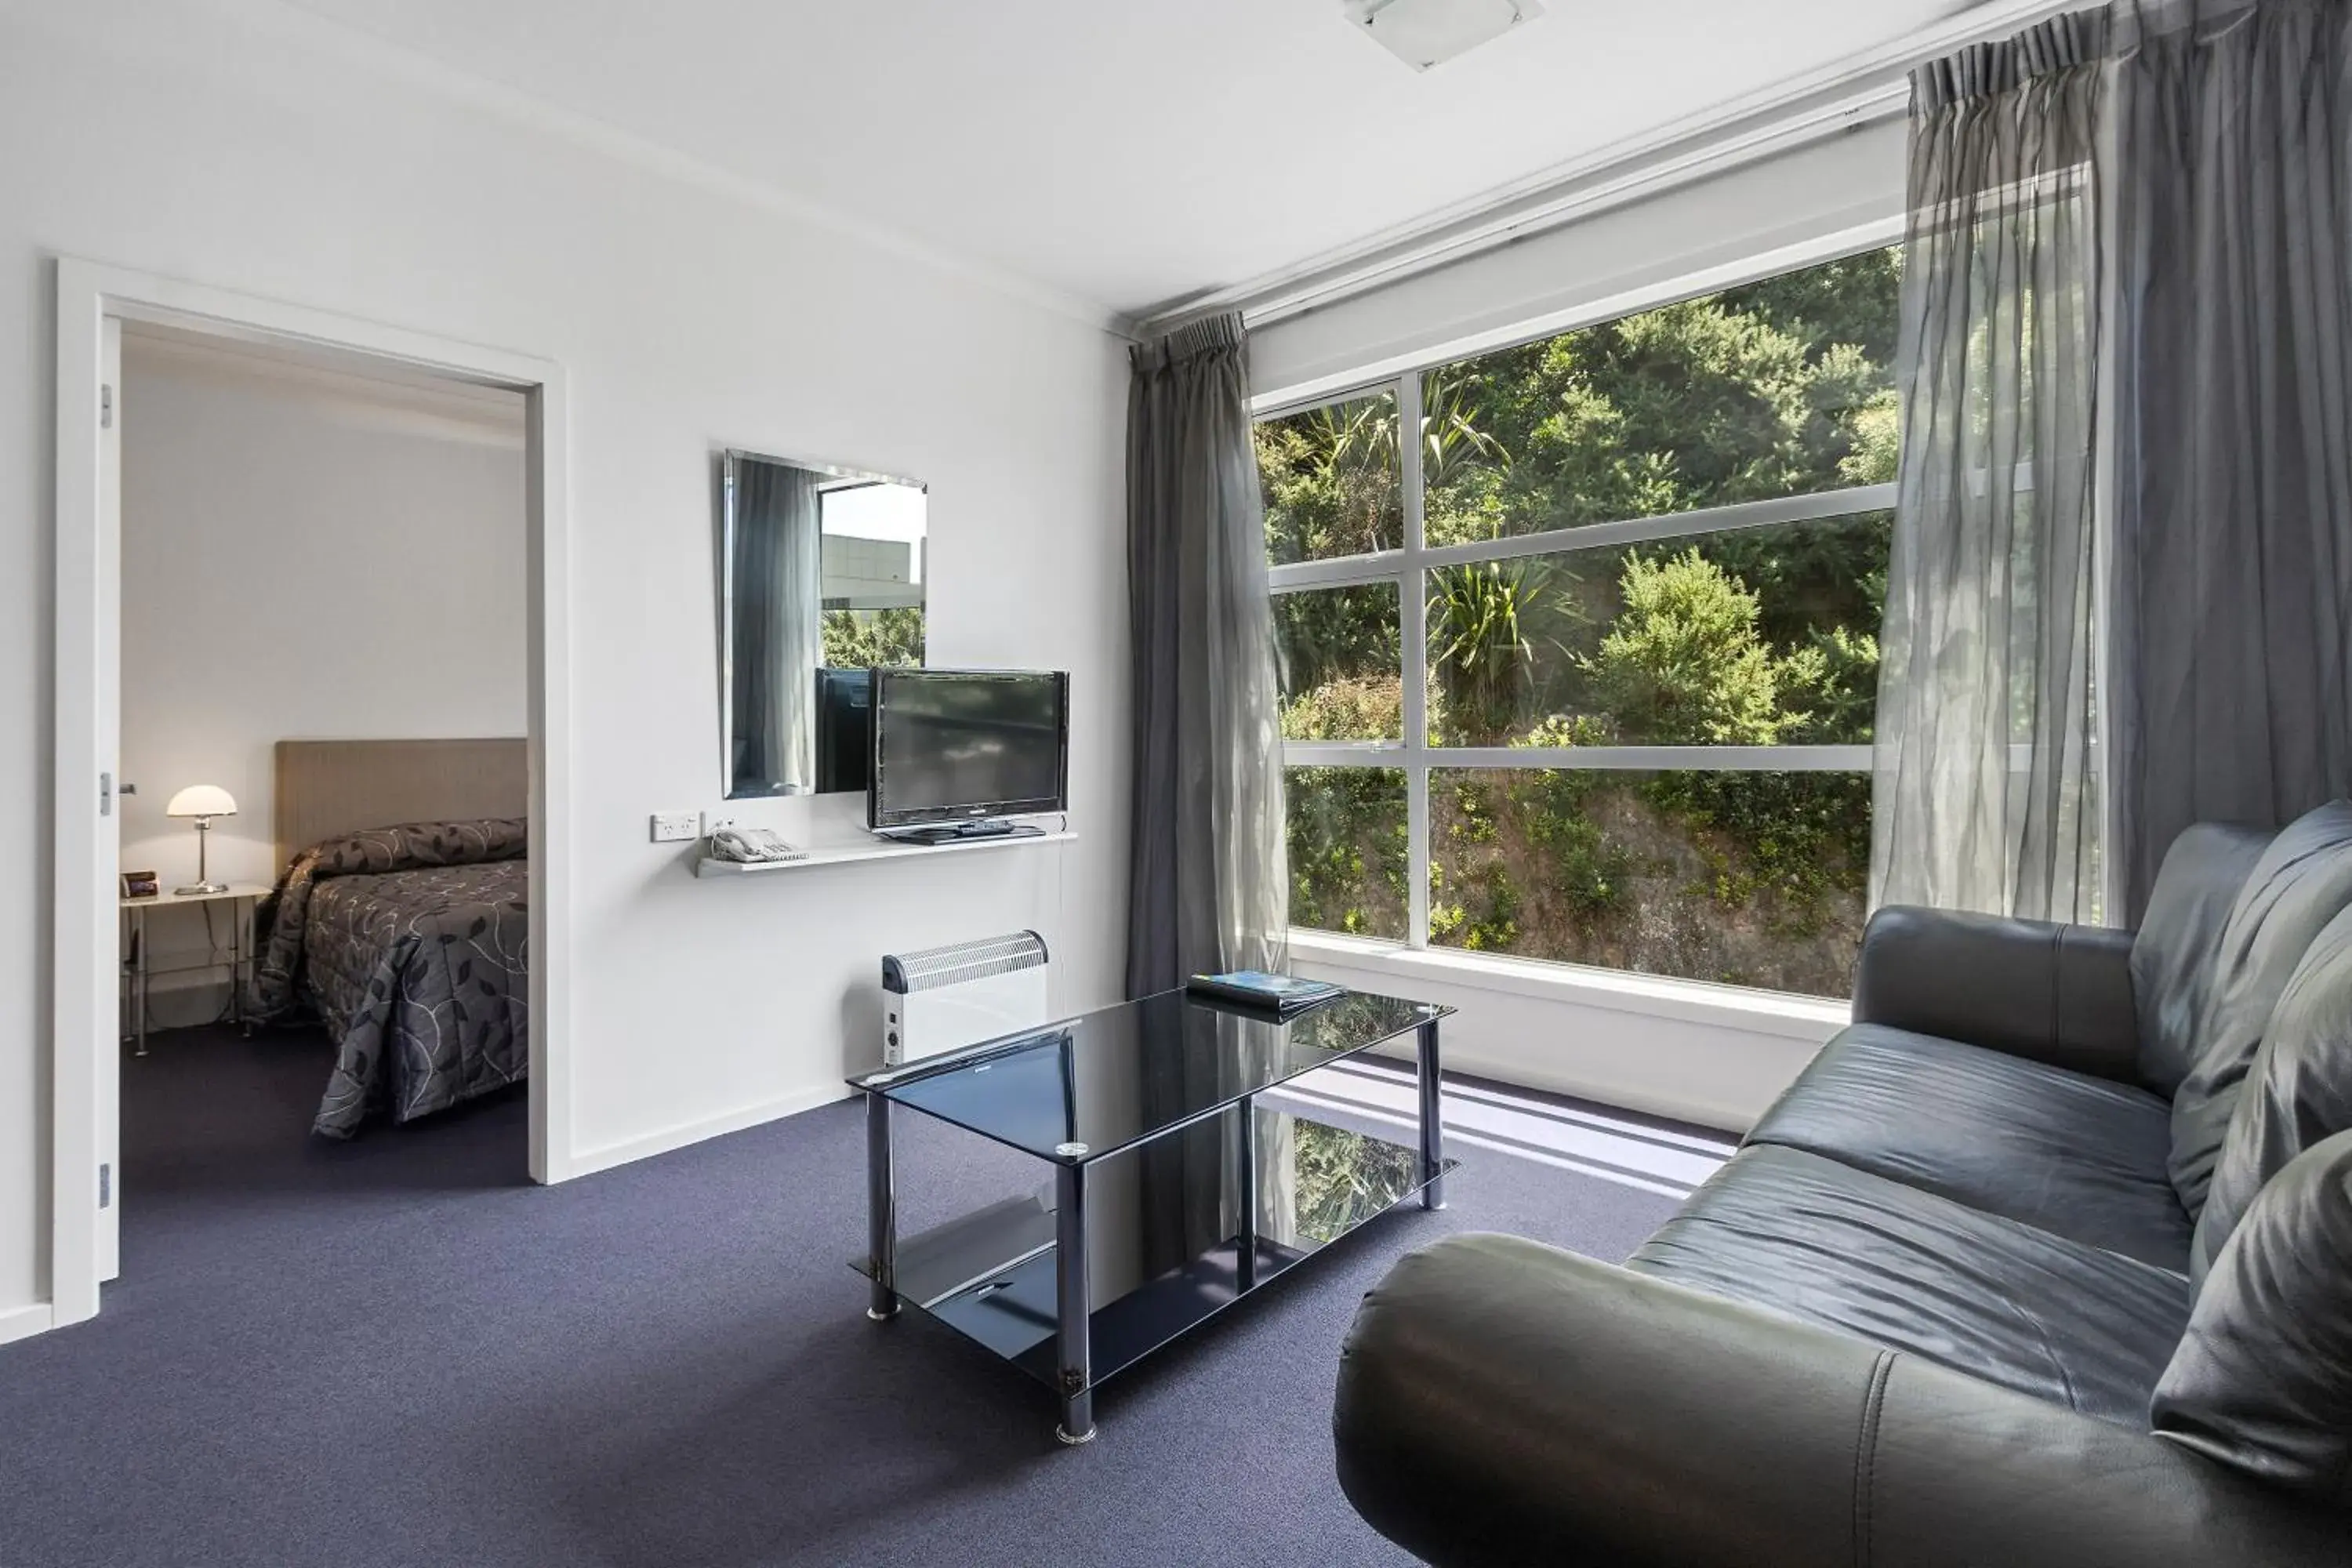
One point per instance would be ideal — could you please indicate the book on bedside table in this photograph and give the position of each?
(1284, 995)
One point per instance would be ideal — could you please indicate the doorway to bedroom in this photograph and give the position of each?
(323, 793)
(314, 658)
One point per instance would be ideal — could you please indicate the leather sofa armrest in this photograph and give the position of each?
(1501, 1402)
(2057, 994)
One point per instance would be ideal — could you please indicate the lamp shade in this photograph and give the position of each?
(202, 800)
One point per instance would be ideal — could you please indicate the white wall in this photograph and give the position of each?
(305, 554)
(235, 144)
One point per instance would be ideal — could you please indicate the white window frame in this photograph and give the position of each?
(1406, 570)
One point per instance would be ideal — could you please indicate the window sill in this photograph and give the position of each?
(1714, 1054)
(1807, 1018)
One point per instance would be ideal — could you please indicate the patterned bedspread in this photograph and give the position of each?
(410, 943)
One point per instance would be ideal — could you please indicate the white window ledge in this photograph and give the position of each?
(1714, 1054)
(1809, 1018)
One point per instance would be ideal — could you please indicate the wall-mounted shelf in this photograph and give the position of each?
(871, 849)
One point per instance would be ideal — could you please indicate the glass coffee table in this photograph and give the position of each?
(1175, 1191)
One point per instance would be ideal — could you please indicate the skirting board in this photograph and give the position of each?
(23, 1322)
(634, 1148)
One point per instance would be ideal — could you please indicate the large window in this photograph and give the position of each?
(1584, 669)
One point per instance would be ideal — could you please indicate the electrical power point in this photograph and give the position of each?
(675, 827)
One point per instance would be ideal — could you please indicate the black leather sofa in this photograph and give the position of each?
(2046, 1259)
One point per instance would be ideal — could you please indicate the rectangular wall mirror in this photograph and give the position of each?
(822, 578)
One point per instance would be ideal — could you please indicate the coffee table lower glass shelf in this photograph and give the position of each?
(990, 1276)
(1183, 1178)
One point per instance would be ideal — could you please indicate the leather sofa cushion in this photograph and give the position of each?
(2263, 1380)
(2172, 952)
(2302, 882)
(2298, 1093)
(1808, 1238)
(2080, 1156)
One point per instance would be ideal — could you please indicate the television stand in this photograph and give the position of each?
(962, 832)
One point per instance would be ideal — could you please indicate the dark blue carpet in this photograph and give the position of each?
(397, 1352)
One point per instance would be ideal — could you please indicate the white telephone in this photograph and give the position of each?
(752, 846)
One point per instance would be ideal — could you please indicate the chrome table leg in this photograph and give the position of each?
(143, 983)
(1245, 1199)
(1074, 1335)
(881, 1211)
(1433, 1124)
(240, 917)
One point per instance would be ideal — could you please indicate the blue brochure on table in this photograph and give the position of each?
(1262, 992)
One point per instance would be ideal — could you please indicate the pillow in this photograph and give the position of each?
(2303, 879)
(2172, 952)
(2263, 1380)
(2299, 1091)
(410, 845)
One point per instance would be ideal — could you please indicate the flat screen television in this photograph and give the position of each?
(958, 745)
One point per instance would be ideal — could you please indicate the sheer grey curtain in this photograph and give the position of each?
(1985, 793)
(1209, 888)
(779, 621)
(2230, 179)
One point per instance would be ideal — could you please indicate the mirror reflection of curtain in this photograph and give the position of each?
(1278, 1180)
(1190, 1195)
(779, 618)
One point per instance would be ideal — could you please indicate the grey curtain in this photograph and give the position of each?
(2233, 257)
(1985, 787)
(1210, 889)
(779, 616)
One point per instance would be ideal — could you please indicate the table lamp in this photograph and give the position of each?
(203, 802)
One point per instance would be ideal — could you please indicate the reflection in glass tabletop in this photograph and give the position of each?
(1218, 1193)
(1103, 1081)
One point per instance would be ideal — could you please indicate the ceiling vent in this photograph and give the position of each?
(1426, 32)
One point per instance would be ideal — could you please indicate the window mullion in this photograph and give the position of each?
(1818, 759)
(1412, 640)
(1820, 506)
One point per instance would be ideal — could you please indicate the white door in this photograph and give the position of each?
(108, 705)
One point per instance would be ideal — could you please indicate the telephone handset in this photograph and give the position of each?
(752, 846)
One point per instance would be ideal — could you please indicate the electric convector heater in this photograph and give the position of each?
(944, 999)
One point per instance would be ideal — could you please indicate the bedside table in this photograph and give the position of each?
(241, 899)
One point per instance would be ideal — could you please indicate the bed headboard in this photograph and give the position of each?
(326, 787)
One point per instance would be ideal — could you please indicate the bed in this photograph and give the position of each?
(400, 921)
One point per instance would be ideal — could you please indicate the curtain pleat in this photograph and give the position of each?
(2183, 168)
(2232, 264)
(1984, 771)
(1209, 888)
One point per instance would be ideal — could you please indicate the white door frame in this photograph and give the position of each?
(84, 1007)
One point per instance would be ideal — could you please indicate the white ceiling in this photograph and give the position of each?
(1121, 152)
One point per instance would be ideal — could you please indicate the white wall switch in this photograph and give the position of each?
(676, 826)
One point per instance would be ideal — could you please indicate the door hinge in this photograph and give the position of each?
(106, 795)
(106, 408)
(106, 1187)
